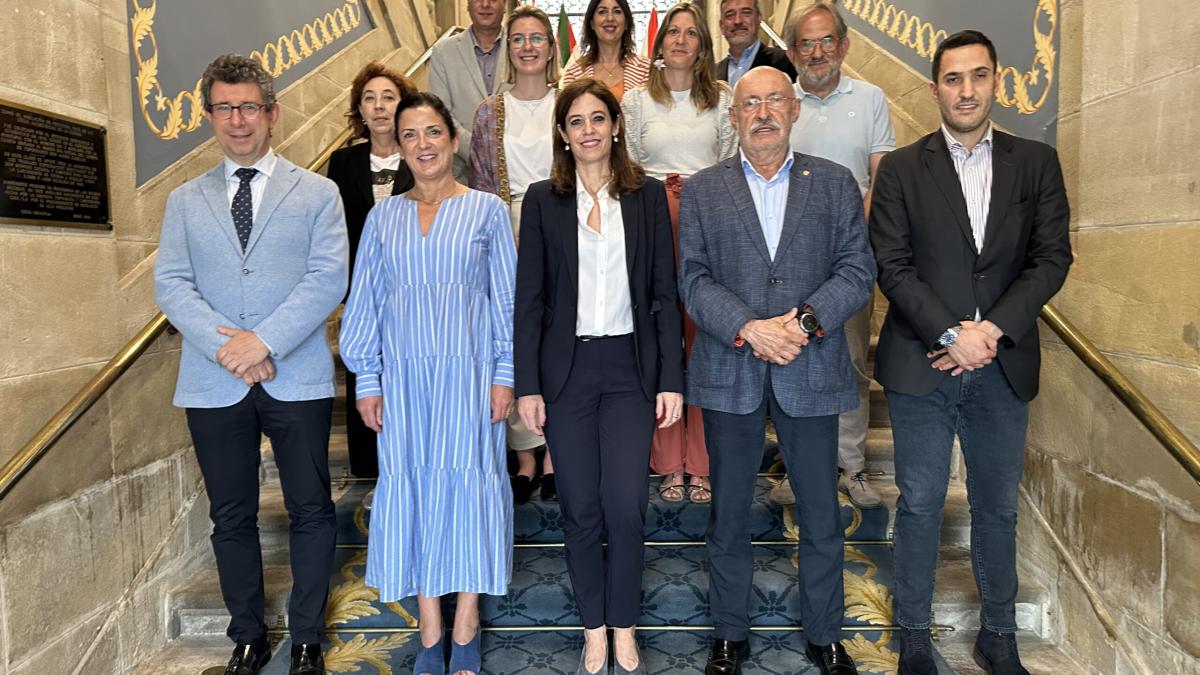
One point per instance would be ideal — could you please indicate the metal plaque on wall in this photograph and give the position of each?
(52, 170)
(1025, 32)
(172, 43)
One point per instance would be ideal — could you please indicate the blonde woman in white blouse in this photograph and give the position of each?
(677, 125)
(512, 147)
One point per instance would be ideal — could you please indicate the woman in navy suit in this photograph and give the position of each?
(598, 353)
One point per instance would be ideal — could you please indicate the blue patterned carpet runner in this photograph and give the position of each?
(534, 629)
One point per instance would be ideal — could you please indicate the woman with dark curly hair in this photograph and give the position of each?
(366, 173)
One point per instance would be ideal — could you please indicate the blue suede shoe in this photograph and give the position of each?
(466, 657)
(431, 660)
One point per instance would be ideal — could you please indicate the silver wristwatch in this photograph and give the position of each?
(949, 337)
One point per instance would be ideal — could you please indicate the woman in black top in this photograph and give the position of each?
(366, 173)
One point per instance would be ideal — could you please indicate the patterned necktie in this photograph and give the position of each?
(243, 205)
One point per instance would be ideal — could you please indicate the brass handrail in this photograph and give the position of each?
(32, 451)
(1173, 439)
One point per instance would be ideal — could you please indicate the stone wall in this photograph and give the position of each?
(114, 514)
(1095, 480)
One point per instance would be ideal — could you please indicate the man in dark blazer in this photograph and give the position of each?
(739, 24)
(969, 227)
(774, 259)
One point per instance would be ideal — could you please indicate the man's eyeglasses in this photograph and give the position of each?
(807, 46)
(224, 111)
(774, 102)
(518, 41)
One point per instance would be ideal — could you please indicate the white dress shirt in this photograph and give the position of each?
(974, 169)
(770, 198)
(604, 306)
(258, 184)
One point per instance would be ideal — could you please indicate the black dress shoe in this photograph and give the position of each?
(307, 660)
(549, 489)
(249, 658)
(831, 659)
(916, 653)
(726, 657)
(522, 488)
(997, 653)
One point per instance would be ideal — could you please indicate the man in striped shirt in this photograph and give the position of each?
(969, 227)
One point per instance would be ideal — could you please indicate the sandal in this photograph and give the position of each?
(699, 492)
(672, 492)
(431, 660)
(465, 657)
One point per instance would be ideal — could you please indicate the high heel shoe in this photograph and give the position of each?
(431, 660)
(618, 669)
(466, 657)
(582, 670)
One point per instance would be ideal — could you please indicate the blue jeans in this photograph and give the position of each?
(981, 408)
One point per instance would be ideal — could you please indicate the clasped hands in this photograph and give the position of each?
(777, 339)
(974, 348)
(245, 355)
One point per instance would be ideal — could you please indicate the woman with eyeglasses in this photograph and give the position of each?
(677, 125)
(511, 147)
(598, 354)
(365, 173)
(607, 53)
(428, 331)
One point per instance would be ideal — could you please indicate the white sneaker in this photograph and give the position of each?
(861, 493)
(782, 494)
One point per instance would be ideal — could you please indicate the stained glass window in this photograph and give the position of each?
(576, 8)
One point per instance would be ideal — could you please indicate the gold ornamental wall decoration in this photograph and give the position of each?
(1017, 87)
(165, 116)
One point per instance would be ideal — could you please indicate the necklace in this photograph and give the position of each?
(530, 106)
(610, 70)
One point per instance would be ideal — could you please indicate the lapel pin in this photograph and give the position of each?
(804, 173)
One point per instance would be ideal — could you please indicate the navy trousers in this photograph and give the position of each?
(227, 444)
(809, 446)
(598, 431)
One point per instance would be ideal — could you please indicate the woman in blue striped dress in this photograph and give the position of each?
(428, 332)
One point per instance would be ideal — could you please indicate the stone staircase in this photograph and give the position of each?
(535, 627)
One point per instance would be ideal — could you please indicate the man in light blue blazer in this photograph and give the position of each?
(251, 261)
(773, 259)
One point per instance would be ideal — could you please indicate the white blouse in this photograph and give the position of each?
(528, 134)
(677, 138)
(604, 306)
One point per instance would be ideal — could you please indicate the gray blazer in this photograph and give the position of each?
(727, 278)
(283, 287)
(454, 77)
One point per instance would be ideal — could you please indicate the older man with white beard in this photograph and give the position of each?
(845, 121)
